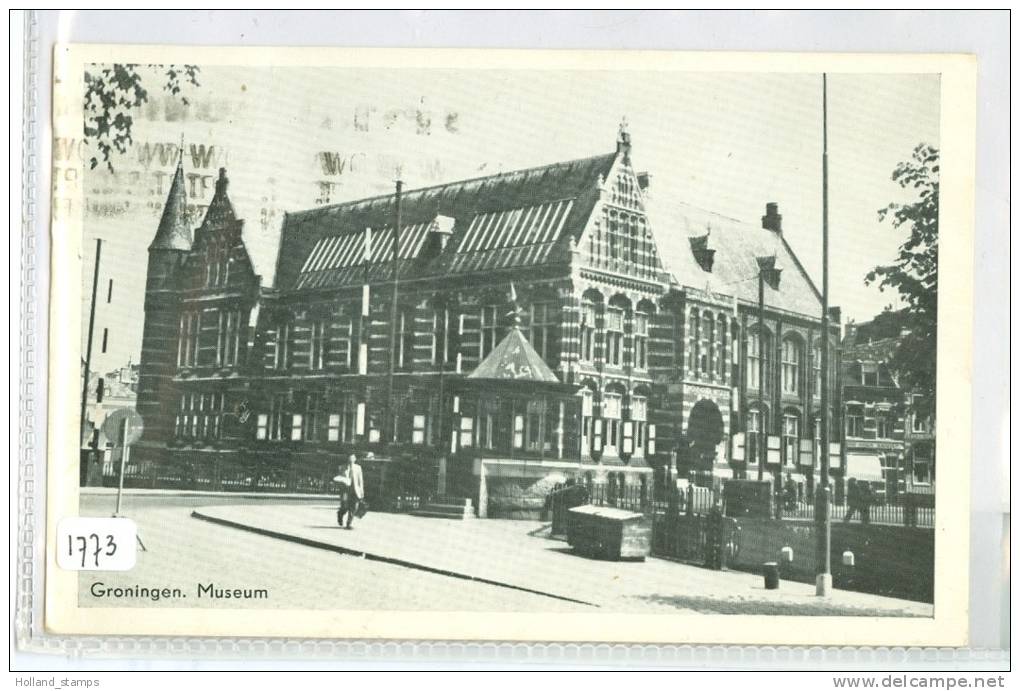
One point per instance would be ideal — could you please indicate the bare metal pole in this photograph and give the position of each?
(391, 427)
(762, 447)
(88, 343)
(823, 580)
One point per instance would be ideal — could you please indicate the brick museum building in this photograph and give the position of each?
(529, 327)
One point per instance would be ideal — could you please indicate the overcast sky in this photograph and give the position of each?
(725, 142)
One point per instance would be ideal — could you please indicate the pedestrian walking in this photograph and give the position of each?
(865, 501)
(352, 491)
(790, 492)
(852, 499)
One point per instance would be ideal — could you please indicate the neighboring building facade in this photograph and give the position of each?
(540, 331)
(879, 422)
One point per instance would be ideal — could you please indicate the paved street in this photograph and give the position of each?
(183, 552)
(517, 555)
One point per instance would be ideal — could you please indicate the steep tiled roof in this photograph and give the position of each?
(735, 269)
(514, 358)
(174, 233)
(500, 221)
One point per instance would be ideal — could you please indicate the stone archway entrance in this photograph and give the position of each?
(704, 433)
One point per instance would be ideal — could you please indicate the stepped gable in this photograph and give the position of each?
(734, 269)
(514, 359)
(501, 221)
(173, 232)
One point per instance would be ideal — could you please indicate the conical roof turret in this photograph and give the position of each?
(173, 232)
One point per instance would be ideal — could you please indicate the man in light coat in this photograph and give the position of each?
(353, 489)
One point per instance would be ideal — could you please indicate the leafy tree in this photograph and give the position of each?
(914, 274)
(113, 92)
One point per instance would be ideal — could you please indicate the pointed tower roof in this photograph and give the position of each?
(221, 211)
(514, 359)
(173, 232)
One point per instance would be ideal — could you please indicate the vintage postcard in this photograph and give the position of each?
(541, 346)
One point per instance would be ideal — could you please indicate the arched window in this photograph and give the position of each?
(757, 420)
(615, 318)
(639, 420)
(791, 436)
(641, 322)
(612, 412)
(791, 366)
(587, 419)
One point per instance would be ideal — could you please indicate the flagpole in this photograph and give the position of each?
(823, 503)
(391, 430)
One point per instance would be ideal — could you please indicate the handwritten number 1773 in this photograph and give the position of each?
(91, 547)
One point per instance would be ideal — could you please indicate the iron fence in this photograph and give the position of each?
(906, 512)
(387, 488)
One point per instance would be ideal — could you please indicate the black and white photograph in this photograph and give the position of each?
(533, 339)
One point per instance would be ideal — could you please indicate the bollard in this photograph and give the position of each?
(787, 554)
(848, 558)
(770, 570)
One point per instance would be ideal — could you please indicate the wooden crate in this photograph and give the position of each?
(609, 533)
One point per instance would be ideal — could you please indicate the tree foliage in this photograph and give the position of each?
(114, 92)
(914, 275)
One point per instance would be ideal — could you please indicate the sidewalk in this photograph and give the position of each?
(514, 554)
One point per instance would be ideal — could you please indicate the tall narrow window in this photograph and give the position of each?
(317, 352)
(707, 342)
(791, 366)
(791, 436)
(187, 353)
(587, 331)
(277, 407)
(405, 339)
(693, 343)
(722, 339)
(313, 417)
(640, 340)
(753, 360)
(816, 365)
(614, 336)
(758, 347)
(586, 420)
(488, 325)
(854, 420)
(540, 330)
(611, 412)
(344, 342)
(440, 336)
(639, 416)
(281, 355)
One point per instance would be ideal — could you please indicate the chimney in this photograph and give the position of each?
(772, 220)
(440, 232)
(443, 227)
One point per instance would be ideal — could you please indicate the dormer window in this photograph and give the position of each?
(703, 254)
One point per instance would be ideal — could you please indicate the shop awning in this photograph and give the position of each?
(864, 467)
